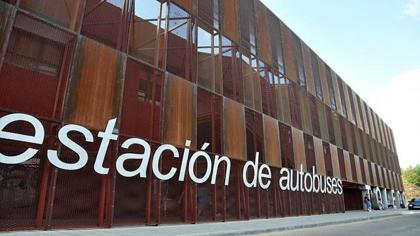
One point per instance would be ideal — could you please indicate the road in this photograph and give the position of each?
(405, 225)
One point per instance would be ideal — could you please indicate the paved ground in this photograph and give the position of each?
(242, 227)
(405, 225)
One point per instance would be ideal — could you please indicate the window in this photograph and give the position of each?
(276, 43)
(209, 11)
(297, 49)
(331, 89)
(315, 72)
(343, 101)
(247, 24)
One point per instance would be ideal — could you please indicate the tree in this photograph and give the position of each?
(412, 175)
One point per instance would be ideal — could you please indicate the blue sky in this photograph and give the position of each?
(375, 47)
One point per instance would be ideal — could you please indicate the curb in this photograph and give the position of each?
(285, 228)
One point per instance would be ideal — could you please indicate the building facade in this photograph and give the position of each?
(226, 72)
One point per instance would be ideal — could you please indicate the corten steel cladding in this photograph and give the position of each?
(224, 72)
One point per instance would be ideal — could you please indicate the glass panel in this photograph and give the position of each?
(148, 31)
(331, 88)
(209, 11)
(247, 24)
(297, 49)
(315, 72)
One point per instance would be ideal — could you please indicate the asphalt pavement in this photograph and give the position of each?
(404, 225)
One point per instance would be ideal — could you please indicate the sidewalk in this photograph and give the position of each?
(226, 228)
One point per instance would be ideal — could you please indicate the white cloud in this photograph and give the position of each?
(412, 8)
(398, 103)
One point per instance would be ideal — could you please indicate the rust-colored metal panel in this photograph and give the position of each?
(94, 95)
(337, 130)
(319, 156)
(289, 57)
(309, 152)
(63, 12)
(272, 141)
(263, 40)
(230, 18)
(356, 110)
(283, 104)
(310, 83)
(371, 122)
(367, 171)
(347, 165)
(373, 170)
(348, 131)
(358, 170)
(334, 79)
(186, 4)
(5, 19)
(335, 162)
(364, 116)
(381, 177)
(347, 100)
(305, 110)
(298, 149)
(234, 130)
(179, 111)
(342, 164)
(322, 117)
(324, 81)
(359, 144)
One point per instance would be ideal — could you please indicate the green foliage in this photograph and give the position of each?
(412, 175)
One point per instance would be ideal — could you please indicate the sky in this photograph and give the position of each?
(374, 45)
